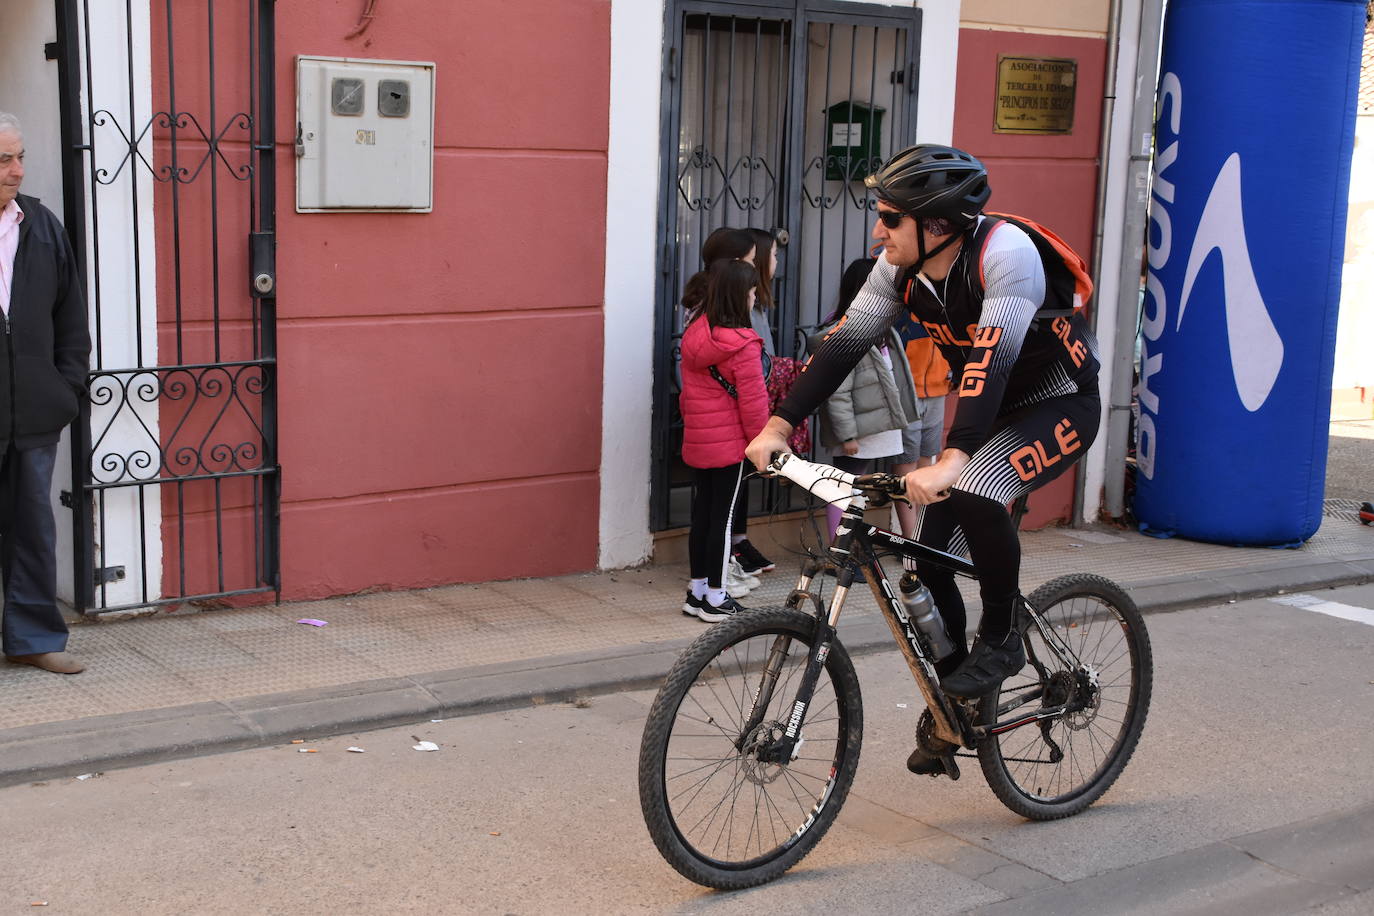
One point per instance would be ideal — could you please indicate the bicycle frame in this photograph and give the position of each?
(855, 552)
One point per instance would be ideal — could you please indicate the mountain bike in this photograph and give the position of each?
(752, 742)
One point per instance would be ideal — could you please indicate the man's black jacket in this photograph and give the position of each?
(47, 347)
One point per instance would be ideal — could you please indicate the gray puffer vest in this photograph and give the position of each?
(872, 398)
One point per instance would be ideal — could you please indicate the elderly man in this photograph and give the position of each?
(42, 378)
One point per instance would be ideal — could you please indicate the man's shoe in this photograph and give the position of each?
(56, 662)
(712, 613)
(750, 558)
(932, 756)
(986, 667)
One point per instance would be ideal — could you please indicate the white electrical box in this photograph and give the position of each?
(364, 135)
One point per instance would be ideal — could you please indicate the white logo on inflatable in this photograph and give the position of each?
(1256, 348)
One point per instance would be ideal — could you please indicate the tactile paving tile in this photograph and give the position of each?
(32, 696)
(168, 660)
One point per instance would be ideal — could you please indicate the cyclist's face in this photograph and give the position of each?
(903, 247)
(11, 165)
(901, 244)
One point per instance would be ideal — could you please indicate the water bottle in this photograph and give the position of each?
(920, 607)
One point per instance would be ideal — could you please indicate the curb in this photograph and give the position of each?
(55, 750)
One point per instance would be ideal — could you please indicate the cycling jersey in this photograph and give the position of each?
(1003, 357)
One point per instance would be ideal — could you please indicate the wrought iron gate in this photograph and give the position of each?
(169, 182)
(747, 142)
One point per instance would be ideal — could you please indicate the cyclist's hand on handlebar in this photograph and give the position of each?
(930, 484)
(769, 442)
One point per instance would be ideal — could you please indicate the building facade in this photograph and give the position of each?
(303, 403)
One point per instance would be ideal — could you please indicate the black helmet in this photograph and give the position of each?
(930, 180)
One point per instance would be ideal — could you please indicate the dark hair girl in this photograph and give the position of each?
(723, 244)
(765, 246)
(730, 287)
(853, 279)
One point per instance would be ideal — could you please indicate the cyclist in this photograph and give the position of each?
(1028, 400)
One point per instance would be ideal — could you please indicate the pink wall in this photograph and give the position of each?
(440, 374)
(1050, 178)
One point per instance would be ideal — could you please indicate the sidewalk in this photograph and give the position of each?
(180, 685)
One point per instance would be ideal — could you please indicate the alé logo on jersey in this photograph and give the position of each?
(1255, 348)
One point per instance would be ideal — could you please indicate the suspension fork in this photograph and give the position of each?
(781, 751)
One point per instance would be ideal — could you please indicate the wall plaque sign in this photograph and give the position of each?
(1035, 95)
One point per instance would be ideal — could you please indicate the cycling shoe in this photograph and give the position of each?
(986, 667)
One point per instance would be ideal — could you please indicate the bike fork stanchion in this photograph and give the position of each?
(782, 751)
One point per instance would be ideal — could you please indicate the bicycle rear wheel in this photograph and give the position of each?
(718, 809)
(1057, 766)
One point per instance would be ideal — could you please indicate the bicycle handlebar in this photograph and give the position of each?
(833, 486)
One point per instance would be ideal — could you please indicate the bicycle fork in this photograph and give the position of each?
(785, 746)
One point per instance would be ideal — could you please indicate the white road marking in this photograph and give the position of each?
(1332, 608)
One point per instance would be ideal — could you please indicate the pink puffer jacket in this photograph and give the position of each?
(717, 427)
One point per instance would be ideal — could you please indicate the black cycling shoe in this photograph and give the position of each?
(932, 756)
(986, 667)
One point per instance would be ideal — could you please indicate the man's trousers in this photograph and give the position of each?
(28, 553)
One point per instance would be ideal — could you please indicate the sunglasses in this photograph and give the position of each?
(892, 218)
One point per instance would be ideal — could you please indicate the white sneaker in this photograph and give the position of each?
(738, 589)
(735, 573)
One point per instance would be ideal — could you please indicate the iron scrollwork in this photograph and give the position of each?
(132, 145)
(708, 167)
(212, 406)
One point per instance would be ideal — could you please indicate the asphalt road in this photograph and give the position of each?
(1251, 792)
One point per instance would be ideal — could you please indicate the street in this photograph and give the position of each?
(1258, 724)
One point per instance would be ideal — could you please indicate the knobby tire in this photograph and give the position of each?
(1102, 625)
(719, 815)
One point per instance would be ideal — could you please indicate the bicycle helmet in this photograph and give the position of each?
(932, 180)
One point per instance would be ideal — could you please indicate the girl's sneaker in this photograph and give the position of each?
(692, 605)
(749, 557)
(711, 613)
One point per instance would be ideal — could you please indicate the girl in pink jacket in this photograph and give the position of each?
(724, 405)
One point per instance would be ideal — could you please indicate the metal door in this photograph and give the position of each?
(746, 143)
(168, 122)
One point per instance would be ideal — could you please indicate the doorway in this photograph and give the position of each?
(773, 115)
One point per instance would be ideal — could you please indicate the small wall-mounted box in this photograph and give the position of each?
(364, 135)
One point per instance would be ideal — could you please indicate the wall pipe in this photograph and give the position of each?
(1134, 229)
(1103, 173)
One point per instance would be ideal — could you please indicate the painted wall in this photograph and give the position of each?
(440, 374)
(28, 90)
(1059, 17)
(1050, 178)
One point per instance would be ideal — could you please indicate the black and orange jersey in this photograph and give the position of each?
(983, 317)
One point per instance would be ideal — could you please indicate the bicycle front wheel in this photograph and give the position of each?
(720, 807)
(1060, 764)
